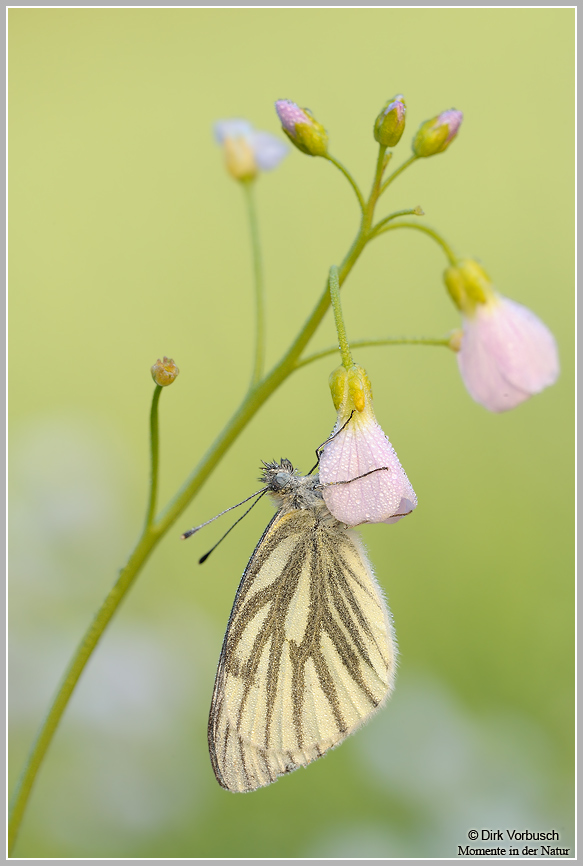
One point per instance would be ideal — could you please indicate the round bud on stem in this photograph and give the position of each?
(164, 371)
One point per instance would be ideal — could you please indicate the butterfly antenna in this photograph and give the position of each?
(206, 523)
(259, 494)
(329, 439)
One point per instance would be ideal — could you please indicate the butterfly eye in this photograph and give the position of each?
(281, 479)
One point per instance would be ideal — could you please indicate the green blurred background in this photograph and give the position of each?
(128, 241)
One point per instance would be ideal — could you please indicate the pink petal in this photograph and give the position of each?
(359, 448)
(507, 355)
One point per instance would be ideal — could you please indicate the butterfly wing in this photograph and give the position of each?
(308, 655)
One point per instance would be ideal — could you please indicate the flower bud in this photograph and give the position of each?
(390, 124)
(302, 128)
(361, 477)
(435, 135)
(164, 372)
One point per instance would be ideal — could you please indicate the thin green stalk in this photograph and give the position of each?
(398, 171)
(349, 178)
(416, 211)
(453, 259)
(70, 679)
(386, 341)
(150, 537)
(339, 318)
(259, 361)
(154, 456)
(257, 397)
(376, 185)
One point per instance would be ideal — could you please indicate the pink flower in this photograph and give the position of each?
(360, 448)
(506, 354)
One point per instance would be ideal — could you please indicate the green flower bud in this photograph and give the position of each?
(390, 124)
(435, 135)
(302, 128)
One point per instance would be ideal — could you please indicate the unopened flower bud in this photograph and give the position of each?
(390, 124)
(164, 371)
(302, 128)
(435, 135)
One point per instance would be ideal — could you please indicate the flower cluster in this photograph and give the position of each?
(504, 352)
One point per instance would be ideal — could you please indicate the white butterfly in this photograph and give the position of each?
(309, 653)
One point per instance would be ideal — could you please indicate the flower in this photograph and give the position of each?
(436, 135)
(248, 151)
(390, 124)
(506, 354)
(302, 128)
(358, 447)
(164, 372)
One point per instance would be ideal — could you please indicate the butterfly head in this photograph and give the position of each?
(284, 483)
(279, 477)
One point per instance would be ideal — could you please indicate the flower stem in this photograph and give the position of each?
(339, 318)
(420, 228)
(259, 289)
(397, 172)
(376, 184)
(252, 402)
(385, 341)
(416, 211)
(154, 456)
(70, 679)
(349, 178)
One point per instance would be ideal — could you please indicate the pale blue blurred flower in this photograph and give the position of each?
(267, 150)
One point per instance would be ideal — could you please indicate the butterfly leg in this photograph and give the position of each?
(320, 448)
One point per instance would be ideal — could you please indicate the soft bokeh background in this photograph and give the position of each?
(128, 241)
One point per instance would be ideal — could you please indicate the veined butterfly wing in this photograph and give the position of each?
(309, 652)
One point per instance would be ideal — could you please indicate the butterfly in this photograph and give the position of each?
(309, 653)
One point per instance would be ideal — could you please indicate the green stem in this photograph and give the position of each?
(416, 211)
(257, 397)
(386, 341)
(376, 184)
(259, 290)
(339, 318)
(154, 457)
(250, 405)
(85, 649)
(349, 178)
(398, 171)
(453, 259)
